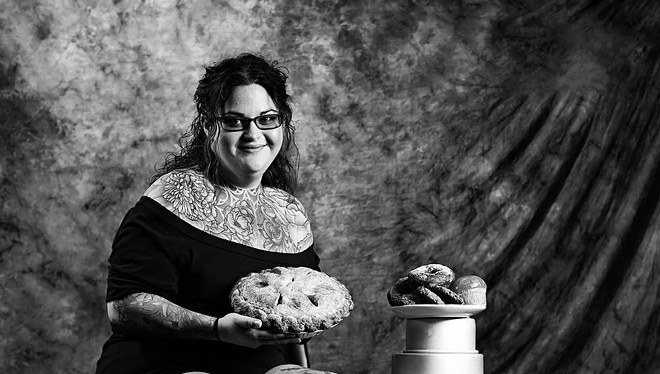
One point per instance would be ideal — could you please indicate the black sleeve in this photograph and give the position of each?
(145, 257)
(316, 261)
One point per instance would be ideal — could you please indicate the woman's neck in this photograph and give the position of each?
(238, 193)
(232, 182)
(244, 181)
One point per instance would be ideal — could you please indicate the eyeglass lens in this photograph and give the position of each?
(265, 122)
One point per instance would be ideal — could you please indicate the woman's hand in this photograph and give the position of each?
(242, 330)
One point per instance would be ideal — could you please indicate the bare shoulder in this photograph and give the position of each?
(284, 200)
(288, 213)
(175, 184)
(184, 192)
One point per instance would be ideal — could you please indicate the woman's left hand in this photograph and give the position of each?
(238, 329)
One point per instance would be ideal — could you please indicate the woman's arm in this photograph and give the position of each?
(152, 315)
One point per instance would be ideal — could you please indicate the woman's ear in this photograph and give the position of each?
(206, 125)
(207, 130)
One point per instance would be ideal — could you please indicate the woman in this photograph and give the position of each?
(217, 211)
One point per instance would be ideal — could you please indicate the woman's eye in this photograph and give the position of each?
(233, 122)
(268, 119)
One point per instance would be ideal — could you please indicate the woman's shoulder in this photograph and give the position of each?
(283, 199)
(179, 181)
(183, 179)
(185, 192)
(282, 211)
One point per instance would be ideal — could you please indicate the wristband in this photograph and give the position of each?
(215, 329)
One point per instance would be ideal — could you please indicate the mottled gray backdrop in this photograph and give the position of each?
(513, 139)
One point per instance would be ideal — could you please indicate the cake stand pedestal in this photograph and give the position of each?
(440, 339)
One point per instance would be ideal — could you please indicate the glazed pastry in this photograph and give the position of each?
(447, 295)
(471, 288)
(288, 299)
(432, 274)
(429, 296)
(402, 294)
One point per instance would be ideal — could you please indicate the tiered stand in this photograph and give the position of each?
(440, 339)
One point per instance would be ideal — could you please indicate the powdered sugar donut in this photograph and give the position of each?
(402, 294)
(428, 295)
(446, 294)
(435, 274)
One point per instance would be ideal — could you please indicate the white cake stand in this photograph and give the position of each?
(440, 339)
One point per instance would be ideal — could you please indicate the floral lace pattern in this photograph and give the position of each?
(264, 218)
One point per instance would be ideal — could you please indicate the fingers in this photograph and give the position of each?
(280, 341)
(243, 330)
(268, 338)
(280, 336)
(247, 322)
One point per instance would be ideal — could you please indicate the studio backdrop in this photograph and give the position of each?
(513, 139)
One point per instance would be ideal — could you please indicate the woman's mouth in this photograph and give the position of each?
(251, 147)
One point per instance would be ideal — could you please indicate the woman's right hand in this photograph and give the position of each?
(238, 329)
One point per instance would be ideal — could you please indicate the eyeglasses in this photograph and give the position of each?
(265, 122)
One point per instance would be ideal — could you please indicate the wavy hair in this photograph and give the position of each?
(212, 92)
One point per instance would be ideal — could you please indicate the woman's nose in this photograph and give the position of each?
(252, 131)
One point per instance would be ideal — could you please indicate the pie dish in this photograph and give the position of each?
(292, 299)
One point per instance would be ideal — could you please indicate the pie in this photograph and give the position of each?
(292, 299)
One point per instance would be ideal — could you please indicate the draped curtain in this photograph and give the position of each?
(546, 183)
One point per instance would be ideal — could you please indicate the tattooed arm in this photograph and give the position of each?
(152, 315)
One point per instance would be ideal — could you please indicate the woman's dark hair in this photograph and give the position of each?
(213, 90)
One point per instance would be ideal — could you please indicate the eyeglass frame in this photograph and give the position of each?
(245, 121)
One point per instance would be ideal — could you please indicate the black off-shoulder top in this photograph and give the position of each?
(154, 251)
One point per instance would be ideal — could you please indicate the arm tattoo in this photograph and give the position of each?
(151, 315)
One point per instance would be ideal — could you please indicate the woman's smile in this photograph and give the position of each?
(252, 147)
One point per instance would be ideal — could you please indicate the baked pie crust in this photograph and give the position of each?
(292, 299)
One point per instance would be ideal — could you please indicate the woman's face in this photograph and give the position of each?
(246, 154)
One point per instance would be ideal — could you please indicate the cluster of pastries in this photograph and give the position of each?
(292, 299)
(437, 284)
